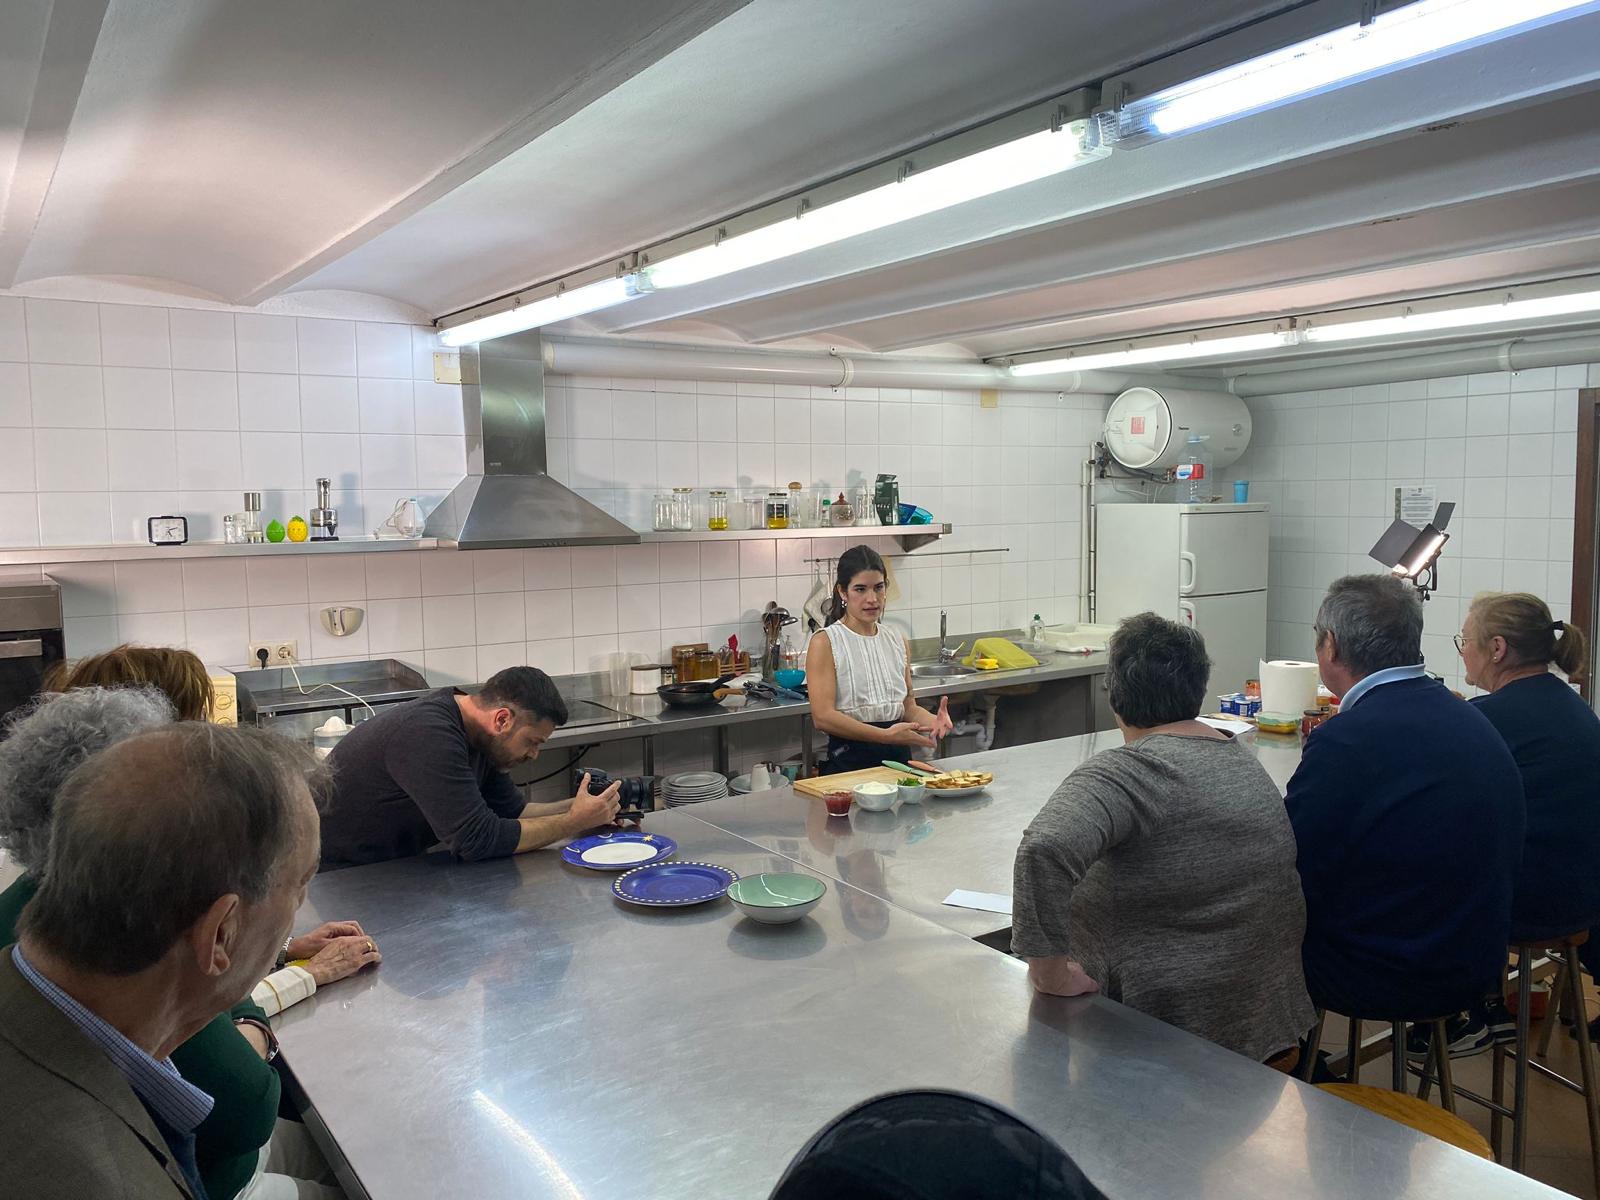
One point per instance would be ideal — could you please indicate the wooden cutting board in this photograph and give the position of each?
(823, 784)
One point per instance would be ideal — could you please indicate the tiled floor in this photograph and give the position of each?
(1558, 1137)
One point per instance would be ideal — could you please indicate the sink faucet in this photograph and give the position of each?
(945, 654)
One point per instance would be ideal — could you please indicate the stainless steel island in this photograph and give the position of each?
(915, 855)
(529, 1036)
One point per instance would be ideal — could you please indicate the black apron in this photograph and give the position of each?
(845, 755)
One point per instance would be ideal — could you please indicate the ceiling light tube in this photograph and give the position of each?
(574, 302)
(997, 169)
(1410, 322)
(1396, 38)
(1169, 352)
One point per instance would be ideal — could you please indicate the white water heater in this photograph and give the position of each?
(1148, 429)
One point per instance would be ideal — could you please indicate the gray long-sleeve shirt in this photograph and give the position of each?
(1167, 869)
(408, 778)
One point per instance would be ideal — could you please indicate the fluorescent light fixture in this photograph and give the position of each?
(574, 302)
(997, 169)
(1169, 352)
(1395, 38)
(1411, 321)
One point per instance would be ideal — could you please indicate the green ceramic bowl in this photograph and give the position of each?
(776, 899)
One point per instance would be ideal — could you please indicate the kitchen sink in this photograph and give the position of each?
(940, 670)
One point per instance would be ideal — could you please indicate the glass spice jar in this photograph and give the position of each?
(683, 509)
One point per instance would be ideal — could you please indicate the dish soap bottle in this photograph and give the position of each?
(299, 531)
(1035, 629)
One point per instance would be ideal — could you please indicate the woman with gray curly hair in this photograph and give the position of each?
(40, 752)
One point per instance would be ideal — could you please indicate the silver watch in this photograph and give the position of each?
(283, 955)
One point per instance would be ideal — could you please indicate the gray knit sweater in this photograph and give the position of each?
(1167, 869)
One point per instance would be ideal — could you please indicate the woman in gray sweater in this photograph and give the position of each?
(1162, 872)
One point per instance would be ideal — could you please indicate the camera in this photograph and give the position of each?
(636, 795)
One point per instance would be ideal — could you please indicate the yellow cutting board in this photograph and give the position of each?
(824, 784)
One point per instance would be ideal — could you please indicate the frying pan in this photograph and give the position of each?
(697, 693)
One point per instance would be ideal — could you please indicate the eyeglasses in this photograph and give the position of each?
(1461, 645)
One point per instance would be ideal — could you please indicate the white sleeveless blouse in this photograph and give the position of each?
(871, 672)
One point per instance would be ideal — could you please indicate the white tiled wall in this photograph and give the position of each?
(118, 412)
(114, 413)
(1503, 447)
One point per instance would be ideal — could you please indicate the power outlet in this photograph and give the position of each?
(279, 654)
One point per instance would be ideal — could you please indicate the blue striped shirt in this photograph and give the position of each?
(170, 1098)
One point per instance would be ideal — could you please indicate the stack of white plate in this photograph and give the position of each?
(693, 787)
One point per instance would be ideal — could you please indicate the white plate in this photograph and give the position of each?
(953, 793)
(620, 852)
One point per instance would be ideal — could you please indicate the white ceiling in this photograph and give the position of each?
(306, 152)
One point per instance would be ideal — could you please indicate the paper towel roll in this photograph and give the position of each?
(1288, 687)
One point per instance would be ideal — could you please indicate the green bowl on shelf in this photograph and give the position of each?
(776, 899)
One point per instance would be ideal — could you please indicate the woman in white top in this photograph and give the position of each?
(859, 677)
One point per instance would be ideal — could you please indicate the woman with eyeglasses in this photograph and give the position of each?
(1508, 643)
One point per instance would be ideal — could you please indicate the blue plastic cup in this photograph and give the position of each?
(1241, 491)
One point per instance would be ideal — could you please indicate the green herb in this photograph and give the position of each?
(908, 782)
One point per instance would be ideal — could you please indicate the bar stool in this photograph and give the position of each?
(1569, 978)
(1414, 1114)
(1438, 1051)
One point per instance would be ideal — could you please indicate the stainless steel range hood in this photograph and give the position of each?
(507, 499)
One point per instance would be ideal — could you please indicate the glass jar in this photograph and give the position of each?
(661, 520)
(841, 513)
(716, 510)
(683, 509)
(706, 665)
(797, 508)
(865, 513)
(777, 510)
(233, 528)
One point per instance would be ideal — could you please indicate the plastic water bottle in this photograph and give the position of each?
(1194, 473)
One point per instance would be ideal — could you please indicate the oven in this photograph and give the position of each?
(31, 640)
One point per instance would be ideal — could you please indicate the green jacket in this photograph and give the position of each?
(217, 1060)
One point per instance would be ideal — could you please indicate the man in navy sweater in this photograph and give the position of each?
(1408, 814)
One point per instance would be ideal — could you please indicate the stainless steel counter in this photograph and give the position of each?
(529, 1036)
(915, 855)
(649, 717)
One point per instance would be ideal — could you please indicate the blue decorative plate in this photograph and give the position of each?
(667, 885)
(620, 851)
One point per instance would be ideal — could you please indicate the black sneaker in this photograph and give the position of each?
(1469, 1034)
(1502, 1024)
(1594, 1032)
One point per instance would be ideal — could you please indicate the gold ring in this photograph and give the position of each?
(371, 949)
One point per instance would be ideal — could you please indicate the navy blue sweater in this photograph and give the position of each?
(1408, 815)
(1555, 738)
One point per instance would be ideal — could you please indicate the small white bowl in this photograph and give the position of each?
(873, 801)
(912, 795)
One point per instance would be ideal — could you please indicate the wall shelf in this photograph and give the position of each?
(908, 536)
(130, 551)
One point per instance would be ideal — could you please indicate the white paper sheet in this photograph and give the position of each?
(982, 901)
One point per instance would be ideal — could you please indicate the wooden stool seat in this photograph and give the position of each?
(1414, 1114)
(1554, 944)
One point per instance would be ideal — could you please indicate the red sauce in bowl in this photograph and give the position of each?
(839, 803)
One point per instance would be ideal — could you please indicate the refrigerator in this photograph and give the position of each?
(1202, 564)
